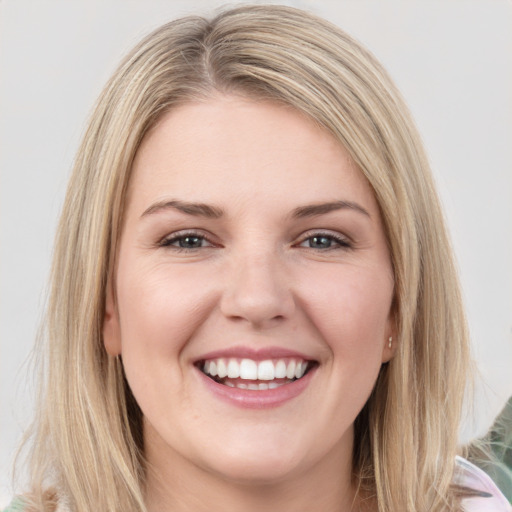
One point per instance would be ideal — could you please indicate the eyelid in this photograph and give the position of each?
(168, 239)
(343, 241)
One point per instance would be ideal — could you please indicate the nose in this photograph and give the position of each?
(258, 291)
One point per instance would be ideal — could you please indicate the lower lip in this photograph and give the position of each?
(261, 399)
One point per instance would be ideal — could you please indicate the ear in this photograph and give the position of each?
(389, 350)
(390, 341)
(111, 328)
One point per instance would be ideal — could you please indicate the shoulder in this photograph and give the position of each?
(487, 497)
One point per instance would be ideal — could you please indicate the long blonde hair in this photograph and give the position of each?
(88, 441)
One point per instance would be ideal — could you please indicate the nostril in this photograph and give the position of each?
(258, 311)
(258, 292)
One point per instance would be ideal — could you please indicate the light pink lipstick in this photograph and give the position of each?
(256, 378)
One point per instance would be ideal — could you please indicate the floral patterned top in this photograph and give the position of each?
(489, 498)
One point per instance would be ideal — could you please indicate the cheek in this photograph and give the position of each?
(350, 307)
(160, 307)
(160, 310)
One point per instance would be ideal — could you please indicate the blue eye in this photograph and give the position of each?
(322, 241)
(190, 242)
(186, 241)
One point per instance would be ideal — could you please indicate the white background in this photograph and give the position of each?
(452, 59)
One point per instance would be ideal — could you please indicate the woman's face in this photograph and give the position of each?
(252, 253)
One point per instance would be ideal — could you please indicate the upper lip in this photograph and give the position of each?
(256, 354)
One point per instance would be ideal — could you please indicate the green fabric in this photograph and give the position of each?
(16, 505)
(495, 458)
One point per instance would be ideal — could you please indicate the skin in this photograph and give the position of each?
(257, 279)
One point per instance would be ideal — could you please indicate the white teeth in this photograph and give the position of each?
(280, 369)
(233, 369)
(257, 387)
(248, 369)
(222, 370)
(266, 370)
(300, 369)
(290, 371)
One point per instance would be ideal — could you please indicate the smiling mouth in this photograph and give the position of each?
(255, 375)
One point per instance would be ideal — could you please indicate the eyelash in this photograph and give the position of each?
(341, 242)
(181, 235)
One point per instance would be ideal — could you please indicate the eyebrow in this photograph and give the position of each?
(214, 212)
(195, 209)
(323, 208)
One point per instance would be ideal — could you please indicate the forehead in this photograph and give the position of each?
(239, 148)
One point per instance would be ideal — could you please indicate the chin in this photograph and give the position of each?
(256, 463)
(255, 473)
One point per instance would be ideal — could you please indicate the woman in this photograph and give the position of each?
(254, 302)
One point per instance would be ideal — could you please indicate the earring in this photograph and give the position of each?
(390, 341)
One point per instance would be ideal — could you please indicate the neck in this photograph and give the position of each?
(176, 484)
